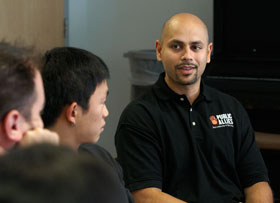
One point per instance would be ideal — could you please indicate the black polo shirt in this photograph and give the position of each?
(204, 152)
(98, 152)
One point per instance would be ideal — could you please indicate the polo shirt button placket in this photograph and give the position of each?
(193, 123)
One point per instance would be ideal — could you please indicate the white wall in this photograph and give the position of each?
(110, 28)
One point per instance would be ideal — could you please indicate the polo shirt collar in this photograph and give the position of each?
(163, 91)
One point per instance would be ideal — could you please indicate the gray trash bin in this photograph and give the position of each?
(144, 69)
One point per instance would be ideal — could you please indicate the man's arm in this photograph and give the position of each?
(154, 195)
(259, 193)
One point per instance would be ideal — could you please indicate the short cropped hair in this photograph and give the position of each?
(17, 73)
(70, 75)
(46, 173)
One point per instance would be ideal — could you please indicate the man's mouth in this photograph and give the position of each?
(186, 68)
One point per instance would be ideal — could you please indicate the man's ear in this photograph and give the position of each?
(11, 126)
(71, 113)
(158, 50)
(209, 51)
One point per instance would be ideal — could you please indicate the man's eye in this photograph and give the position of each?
(197, 47)
(176, 46)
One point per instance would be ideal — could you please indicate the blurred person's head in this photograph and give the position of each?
(47, 173)
(21, 93)
(75, 82)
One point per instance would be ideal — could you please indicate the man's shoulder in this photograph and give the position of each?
(143, 108)
(147, 100)
(224, 101)
(95, 150)
(216, 94)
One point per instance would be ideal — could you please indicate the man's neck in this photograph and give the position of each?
(66, 134)
(192, 94)
(191, 91)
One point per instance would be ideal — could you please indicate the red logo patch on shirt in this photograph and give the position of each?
(214, 120)
(221, 120)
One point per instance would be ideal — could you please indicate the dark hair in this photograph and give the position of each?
(46, 173)
(17, 73)
(70, 75)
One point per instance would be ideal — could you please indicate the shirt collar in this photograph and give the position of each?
(163, 91)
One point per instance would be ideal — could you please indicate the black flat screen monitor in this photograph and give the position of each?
(247, 30)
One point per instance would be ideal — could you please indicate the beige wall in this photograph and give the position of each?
(39, 23)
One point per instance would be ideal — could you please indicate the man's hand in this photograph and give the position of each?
(37, 136)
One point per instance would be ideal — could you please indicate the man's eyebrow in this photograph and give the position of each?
(198, 42)
(176, 41)
(181, 42)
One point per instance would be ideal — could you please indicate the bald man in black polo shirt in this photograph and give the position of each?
(183, 141)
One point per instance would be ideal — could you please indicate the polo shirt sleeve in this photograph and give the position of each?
(251, 167)
(138, 148)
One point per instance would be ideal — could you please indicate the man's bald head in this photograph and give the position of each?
(175, 21)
